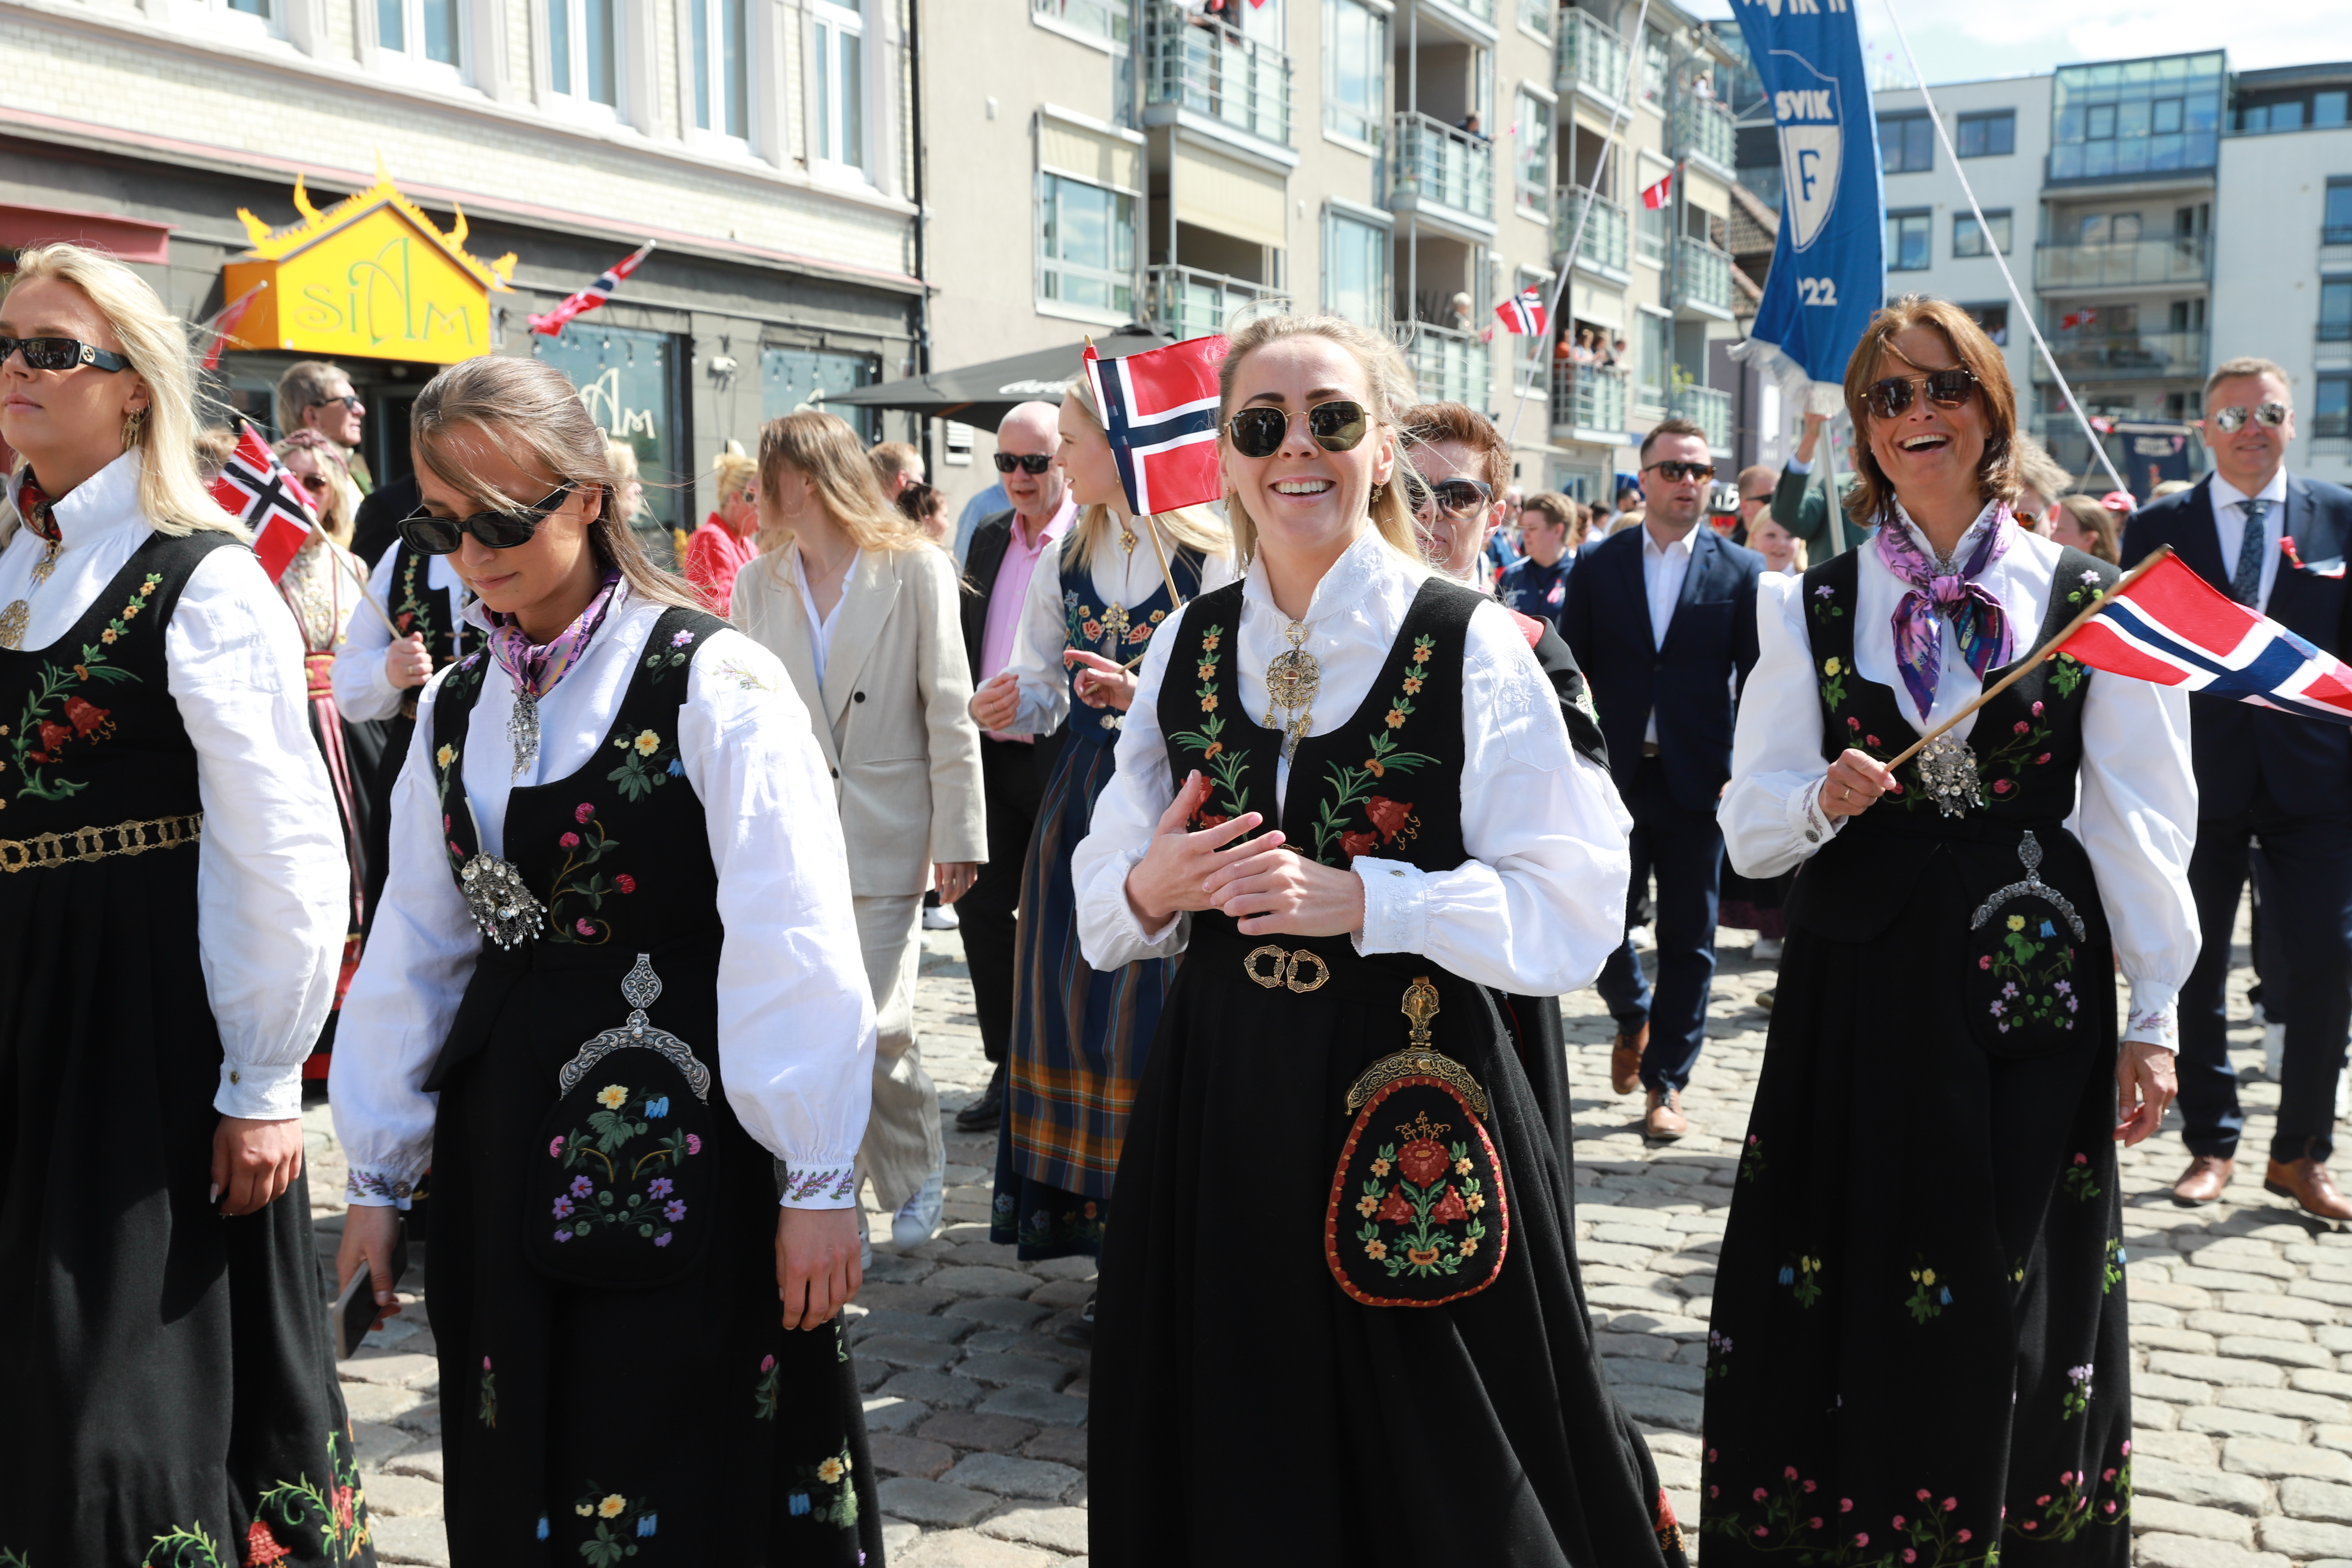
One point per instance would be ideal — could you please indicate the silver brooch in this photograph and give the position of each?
(522, 730)
(1948, 772)
(2029, 851)
(501, 903)
(642, 987)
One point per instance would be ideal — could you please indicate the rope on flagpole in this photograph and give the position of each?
(1943, 135)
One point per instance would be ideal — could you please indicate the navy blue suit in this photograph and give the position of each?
(1670, 788)
(2286, 783)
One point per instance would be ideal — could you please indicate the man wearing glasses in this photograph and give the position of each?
(2276, 543)
(1661, 618)
(316, 396)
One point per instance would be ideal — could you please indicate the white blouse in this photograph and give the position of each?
(795, 1025)
(820, 630)
(273, 887)
(361, 689)
(1120, 577)
(2135, 809)
(1541, 902)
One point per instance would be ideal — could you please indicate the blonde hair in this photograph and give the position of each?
(1390, 390)
(734, 472)
(532, 411)
(893, 458)
(825, 447)
(335, 514)
(1190, 525)
(624, 458)
(171, 494)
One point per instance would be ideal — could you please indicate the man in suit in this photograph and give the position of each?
(1007, 551)
(1802, 507)
(2277, 544)
(1661, 618)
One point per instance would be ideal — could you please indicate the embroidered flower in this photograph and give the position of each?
(1366, 1205)
(1376, 1250)
(1391, 817)
(563, 1206)
(767, 1363)
(1354, 844)
(563, 1235)
(663, 1240)
(1379, 1167)
(1209, 703)
(681, 639)
(582, 1187)
(674, 1210)
(647, 743)
(1448, 1209)
(583, 812)
(2021, 728)
(445, 756)
(1423, 1160)
(612, 1097)
(584, 928)
(1413, 684)
(656, 1109)
(831, 1471)
(612, 1506)
(569, 841)
(1469, 1244)
(1832, 666)
(2017, 922)
(1396, 718)
(2041, 760)
(1821, 592)
(555, 1149)
(660, 1187)
(2000, 786)
(693, 1144)
(1394, 1209)
(625, 882)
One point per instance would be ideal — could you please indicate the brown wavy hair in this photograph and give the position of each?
(1872, 501)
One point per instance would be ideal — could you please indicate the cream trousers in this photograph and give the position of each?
(903, 1143)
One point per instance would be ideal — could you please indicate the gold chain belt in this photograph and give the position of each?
(97, 843)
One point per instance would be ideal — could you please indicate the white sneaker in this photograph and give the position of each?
(865, 1241)
(1766, 950)
(940, 918)
(2274, 1052)
(919, 1220)
(1642, 939)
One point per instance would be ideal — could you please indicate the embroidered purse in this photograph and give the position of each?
(2024, 988)
(625, 1171)
(1417, 1215)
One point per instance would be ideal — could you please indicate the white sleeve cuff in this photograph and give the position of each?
(375, 1189)
(1396, 906)
(820, 1186)
(2154, 1015)
(1808, 822)
(266, 1093)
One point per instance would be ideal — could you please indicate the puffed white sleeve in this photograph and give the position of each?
(795, 1019)
(1037, 651)
(273, 885)
(1770, 812)
(362, 691)
(421, 949)
(1540, 903)
(1126, 817)
(2136, 816)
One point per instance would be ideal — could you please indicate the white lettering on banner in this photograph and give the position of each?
(1817, 292)
(1811, 126)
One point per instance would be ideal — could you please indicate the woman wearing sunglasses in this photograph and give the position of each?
(168, 941)
(613, 1000)
(1918, 1342)
(1346, 796)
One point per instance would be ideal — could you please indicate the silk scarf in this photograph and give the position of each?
(535, 668)
(1937, 596)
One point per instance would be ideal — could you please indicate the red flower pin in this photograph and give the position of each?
(2286, 548)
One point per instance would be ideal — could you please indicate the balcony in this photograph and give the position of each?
(1476, 10)
(1586, 55)
(1588, 403)
(2123, 265)
(1194, 304)
(1702, 278)
(2126, 355)
(1703, 129)
(1708, 409)
(1449, 366)
(1105, 20)
(1196, 64)
(1433, 166)
(1536, 16)
(1604, 232)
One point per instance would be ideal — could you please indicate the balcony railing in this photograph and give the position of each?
(2339, 331)
(1192, 304)
(1587, 397)
(1449, 366)
(1604, 232)
(1438, 165)
(1702, 129)
(1702, 274)
(1708, 409)
(1484, 10)
(2169, 259)
(1103, 19)
(1586, 54)
(1212, 68)
(1536, 15)
(2127, 356)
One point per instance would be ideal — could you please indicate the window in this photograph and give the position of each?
(2164, 116)
(632, 385)
(1531, 146)
(2331, 411)
(584, 53)
(1993, 318)
(422, 29)
(2110, 229)
(1967, 239)
(2188, 316)
(1086, 250)
(1105, 20)
(2126, 117)
(2336, 309)
(1655, 370)
(1355, 70)
(1907, 247)
(1652, 227)
(1655, 66)
(2328, 108)
(1356, 270)
(1907, 143)
(794, 379)
(722, 65)
(1990, 135)
(2336, 225)
(839, 67)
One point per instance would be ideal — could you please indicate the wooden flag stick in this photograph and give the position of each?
(2049, 650)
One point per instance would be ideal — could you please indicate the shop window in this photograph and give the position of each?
(1086, 246)
(723, 67)
(838, 65)
(794, 379)
(1355, 70)
(1970, 240)
(1908, 246)
(584, 51)
(1992, 135)
(632, 385)
(1532, 152)
(1907, 143)
(1356, 270)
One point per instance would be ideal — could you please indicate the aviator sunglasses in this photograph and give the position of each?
(1946, 389)
(1456, 498)
(430, 535)
(2229, 420)
(1673, 471)
(60, 353)
(1335, 427)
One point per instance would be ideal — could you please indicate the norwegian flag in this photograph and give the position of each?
(1659, 195)
(254, 488)
(593, 295)
(1160, 409)
(2167, 625)
(1524, 317)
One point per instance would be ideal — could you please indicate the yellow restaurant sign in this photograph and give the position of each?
(373, 277)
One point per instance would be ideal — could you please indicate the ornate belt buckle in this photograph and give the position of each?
(502, 904)
(1281, 966)
(1290, 970)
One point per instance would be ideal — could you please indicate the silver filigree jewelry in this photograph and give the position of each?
(642, 987)
(2029, 851)
(501, 903)
(1948, 772)
(1293, 677)
(522, 728)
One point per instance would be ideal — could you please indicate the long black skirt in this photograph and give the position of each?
(1920, 1334)
(168, 1396)
(1245, 1408)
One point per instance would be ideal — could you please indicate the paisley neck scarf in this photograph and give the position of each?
(1941, 592)
(535, 668)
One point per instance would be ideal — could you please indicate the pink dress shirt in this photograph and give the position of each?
(1010, 594)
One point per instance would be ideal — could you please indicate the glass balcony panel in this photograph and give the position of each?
(1587, 397)
(1604, 232)
(1701, 129)
(1708, 409)
(1587, 54)
(1103, 18)
(1192, 304)
(1702, 274)
(2165, 259)
(1449, 366)
(1536, 15)
(1212, 68)
(2089, 354)
(1440, 165)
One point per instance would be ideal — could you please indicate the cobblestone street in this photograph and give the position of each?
(2242, 1320)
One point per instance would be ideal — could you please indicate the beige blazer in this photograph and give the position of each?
(890, 715)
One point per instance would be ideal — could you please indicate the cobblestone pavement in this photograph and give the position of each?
(2242, 1320)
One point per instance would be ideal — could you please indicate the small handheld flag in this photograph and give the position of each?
(1159, 410)
(1525, 316)
(1659, 195)
(596, 294)
(224, 326)
(254, 488)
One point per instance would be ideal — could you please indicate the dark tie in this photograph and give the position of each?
(2246, 585)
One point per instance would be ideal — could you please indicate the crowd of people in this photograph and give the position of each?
(1273, 832)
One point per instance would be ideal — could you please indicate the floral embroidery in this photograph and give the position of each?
(824, 1492)
(647, 762)
(1226, 767)
(1834, 682)
(1718, 1355)
(1800, 1276)
(804, 1186)
(335, 1511)
(2114, 1266)
(489, 1410)
(2032, 991)
(764, 1401)
(1423, 1205)
(2079, 1181)
(565, 922)
(747, 679)
(38, 740)
(615, 1536)
(2076, 1504)
(1390, 818)
(1751, 1159)
(675, 655)
(1928, 1298)
(2077, 1398)
(369, 1184)
(415, 611)
(2066, 673)
(583, 1205)
(1800, 1519)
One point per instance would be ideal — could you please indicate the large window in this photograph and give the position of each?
(722, 65)
(1105, 20)
(422, 29)
(2331, 412)
(1531, 154)
(794, 379)
(1988, 135)
(1968, 239)
(1355, 70)
(2109, 228)
(1654, 373)
(1086, 250)
(839, 69)
(1993, 318)
(1907, 143)
(583, 54)
(1356, 270)
(632, 385)
(1907, 241)
(2336, 309)
(2337, 222)
(2126, 117)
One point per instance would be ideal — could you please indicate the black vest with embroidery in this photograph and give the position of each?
(1117, 632)
(419, 607)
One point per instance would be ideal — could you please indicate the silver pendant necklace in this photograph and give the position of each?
(522, 728)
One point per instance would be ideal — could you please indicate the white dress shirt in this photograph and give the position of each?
(1663, 568)
(821, 631)
(2136, 807)
(362, 692)
(1539, 904)
(795, 1025)
(2229, 527)
(273, 887)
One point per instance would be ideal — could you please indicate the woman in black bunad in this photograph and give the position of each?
(614, 997)
(169, 934)
(1347, 797)
(1918, 1350)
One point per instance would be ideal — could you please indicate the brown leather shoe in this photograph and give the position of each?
(2203, 1181)
(2306, 1180)
(1666, 1122)
(1625, 1060)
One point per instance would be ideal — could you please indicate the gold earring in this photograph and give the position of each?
(1378, 491)
(134, 422)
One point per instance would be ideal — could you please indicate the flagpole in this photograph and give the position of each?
(2047, 651)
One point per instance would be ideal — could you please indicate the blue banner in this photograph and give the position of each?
(1829, 269)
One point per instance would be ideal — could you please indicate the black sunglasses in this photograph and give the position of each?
(349, 400)
(1455, 497)
(1670, 469)
(1335, 427)
(1946, 389)
(430, 535)
(2270, 417)
(1028, 462)
(60, 353)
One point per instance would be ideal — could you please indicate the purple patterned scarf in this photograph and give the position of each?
(536, 667)
(1976, 615)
